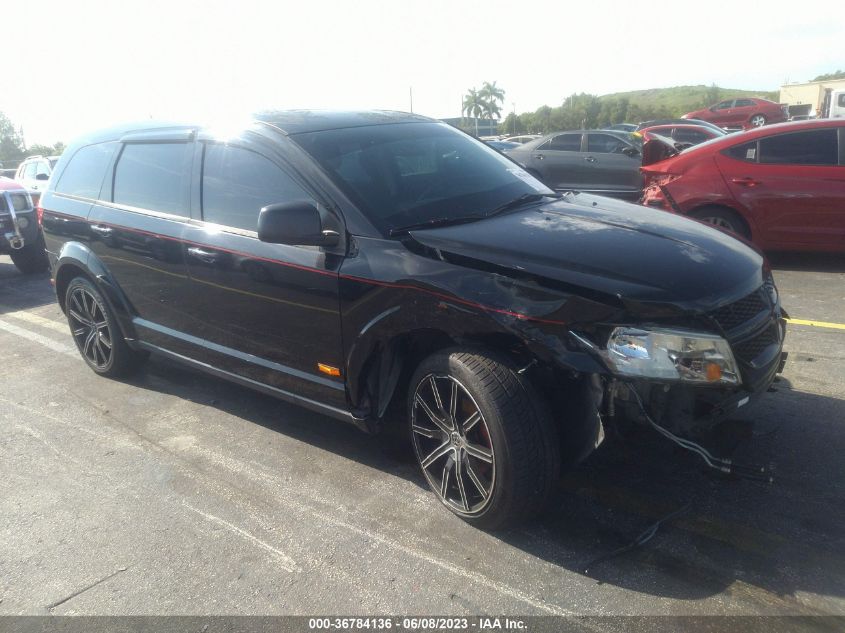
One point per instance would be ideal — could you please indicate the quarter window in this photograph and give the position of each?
(813, 147)
(153, 176)
(83, 175)
(238, 182)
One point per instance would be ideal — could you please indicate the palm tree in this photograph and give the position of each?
(492, 93)
(473, 106)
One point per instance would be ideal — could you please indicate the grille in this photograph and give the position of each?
(752, 348)
(738, 312)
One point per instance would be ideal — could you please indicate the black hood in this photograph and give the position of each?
(625, 250)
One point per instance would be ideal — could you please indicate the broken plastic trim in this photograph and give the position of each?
(717, 463)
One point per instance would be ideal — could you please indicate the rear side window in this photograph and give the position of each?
(813, 147)
(743, 103)
(564, 143)
(153, 176)
(237, 182)
(746, 152)
(684, 135)
(83, 175)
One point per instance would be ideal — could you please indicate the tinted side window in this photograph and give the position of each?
(153, 176)
(743, 103)
(746, 152)
(604, 144)
(237, 182)
(841, 100)
(564, 143)
(690, 136)
(724, 105)
(83, 175)
(814, 147)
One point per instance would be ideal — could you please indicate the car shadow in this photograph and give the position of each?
(810, 262)
(22, 292)
(765, 543)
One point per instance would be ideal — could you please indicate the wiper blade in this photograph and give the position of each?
(525, 198)
(430, 224)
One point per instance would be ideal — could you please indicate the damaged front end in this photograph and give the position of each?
(683, 382)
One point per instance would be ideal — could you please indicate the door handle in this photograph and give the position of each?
(748, 181)
(209, 257)
(102, 230)
(589, 159)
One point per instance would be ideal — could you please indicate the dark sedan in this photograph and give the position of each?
(605, 162)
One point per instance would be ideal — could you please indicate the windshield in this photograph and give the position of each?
(407, 173)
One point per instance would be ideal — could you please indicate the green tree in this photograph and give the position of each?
(43, 150)
(839, 74)
(473, 106)
(492, 96)
(11, 143)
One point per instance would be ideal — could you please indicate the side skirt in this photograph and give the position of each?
(313, 405)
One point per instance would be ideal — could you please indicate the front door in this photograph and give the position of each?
(610, 170)
(559, 162)
(266, 312)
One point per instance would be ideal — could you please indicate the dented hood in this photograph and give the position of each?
(608, 246)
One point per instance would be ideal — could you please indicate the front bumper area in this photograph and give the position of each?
(18, 226)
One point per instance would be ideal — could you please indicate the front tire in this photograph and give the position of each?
(96, 333)
(758, 120)
(483, 438)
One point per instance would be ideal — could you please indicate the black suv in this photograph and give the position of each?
(379, 266)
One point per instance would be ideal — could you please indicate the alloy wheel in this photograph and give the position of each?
(720, 222)
(90, 328)
(757, 120)
(453, 445)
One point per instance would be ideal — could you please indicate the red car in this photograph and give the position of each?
(692, 134)
(782, 186)
(742, 113)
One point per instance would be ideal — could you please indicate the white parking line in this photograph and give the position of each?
(38, 338)
(23, 315)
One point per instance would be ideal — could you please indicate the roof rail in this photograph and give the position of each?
(33, 156)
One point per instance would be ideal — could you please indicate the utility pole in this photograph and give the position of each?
(411, 94)
(513, 103)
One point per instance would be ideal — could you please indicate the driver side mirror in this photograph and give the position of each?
(297, 223)
(630, 151)
(42, 177)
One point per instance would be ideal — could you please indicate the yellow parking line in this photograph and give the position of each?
(834, 326)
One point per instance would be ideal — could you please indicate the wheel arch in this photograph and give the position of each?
(76, 259)
(743, 215)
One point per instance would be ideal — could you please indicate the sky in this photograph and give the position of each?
(72, 67)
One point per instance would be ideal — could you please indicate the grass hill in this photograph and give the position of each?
(681, 99)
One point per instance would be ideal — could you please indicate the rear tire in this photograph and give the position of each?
(483, 438)
(96, 333)
(758, 120)
(723, 218)
(32, 258)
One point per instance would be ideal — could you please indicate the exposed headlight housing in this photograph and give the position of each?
(23, 222)
(694, 357)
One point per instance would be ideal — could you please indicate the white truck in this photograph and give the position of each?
(833, 104)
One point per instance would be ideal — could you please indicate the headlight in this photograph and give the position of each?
(671, 355)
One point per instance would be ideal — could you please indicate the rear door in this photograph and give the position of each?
(559, 161)
(609, 169)
(793, 186)
(137, 225)
(266, 312)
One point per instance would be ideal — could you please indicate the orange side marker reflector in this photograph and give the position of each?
(714, 372)
(328, 369)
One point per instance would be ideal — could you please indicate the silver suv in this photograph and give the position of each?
(34, 172)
